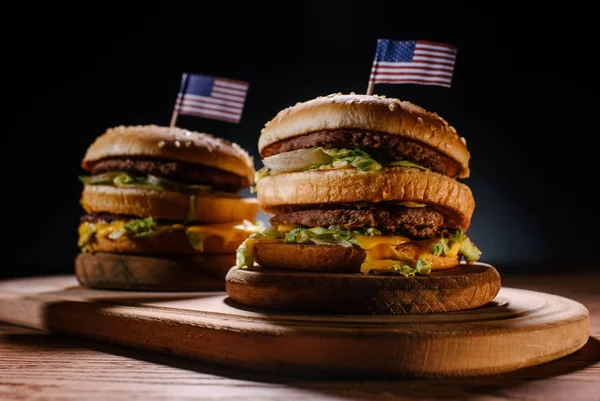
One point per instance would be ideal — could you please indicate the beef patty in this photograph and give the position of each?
(416, 223)
(186, 173)
(382, 147)
(107, 218)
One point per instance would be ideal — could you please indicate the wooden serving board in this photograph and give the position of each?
(517, 329)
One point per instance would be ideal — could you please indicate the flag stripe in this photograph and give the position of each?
(410, 65)
(434, 61)
(227, 91)
(231, 84)
(387, 71)
(224, 102)
(436, 49)
(209, 111)
(239, 99)
(186, 103)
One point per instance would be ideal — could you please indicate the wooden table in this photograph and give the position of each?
(38, 365)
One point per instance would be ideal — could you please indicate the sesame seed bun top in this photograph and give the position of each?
(369, 113)
(164, 143)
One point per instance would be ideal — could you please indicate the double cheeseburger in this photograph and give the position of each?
(358, 184)
(162, 210)
(362, 183)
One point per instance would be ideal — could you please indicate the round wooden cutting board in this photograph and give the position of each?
(517, 329)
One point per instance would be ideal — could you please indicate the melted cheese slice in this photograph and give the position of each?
(228, 232)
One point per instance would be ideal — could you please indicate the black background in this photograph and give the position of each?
(522, 95)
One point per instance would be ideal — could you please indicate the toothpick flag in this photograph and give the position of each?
(210, 97)
(412, 61)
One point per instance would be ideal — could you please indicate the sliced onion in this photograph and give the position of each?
(297, 160)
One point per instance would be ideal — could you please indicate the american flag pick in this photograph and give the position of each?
(210, 97)
(412, 61)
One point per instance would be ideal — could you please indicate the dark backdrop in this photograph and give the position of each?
(520, 92)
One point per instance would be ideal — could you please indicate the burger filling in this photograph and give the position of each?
(353, 149)
(114, 226)
(379, 232)
(164, 175)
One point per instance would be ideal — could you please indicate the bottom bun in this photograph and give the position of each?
(462, 287)
(327, 258)
(102, 270)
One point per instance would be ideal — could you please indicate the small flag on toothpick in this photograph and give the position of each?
(210, 97)
(412, 61)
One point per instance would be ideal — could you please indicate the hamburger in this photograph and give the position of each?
(361, 184)
(162, 209)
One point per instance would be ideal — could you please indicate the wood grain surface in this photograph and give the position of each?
(519, 328)
(460, 288)
(39, 365)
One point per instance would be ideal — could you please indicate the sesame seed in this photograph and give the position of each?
(161, 144)
(463, 139)
(432, 127)
(392, 107)
(352, 93)
(188, 144)
(453, 129)
(420, 120)
(178, 144)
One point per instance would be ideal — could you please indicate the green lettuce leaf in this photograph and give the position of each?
(321, 236)
(441, 248)
(469, 251)
(421, 268)
(244, 254)
(196, 239)
(193, 209)
(140, 227)
(357, 158)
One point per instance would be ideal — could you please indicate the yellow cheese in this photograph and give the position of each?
(382, 253)
(454, 248)
(87, 229)
(377, 240)
(228, 232)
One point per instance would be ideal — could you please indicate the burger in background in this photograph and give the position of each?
(162, 209)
